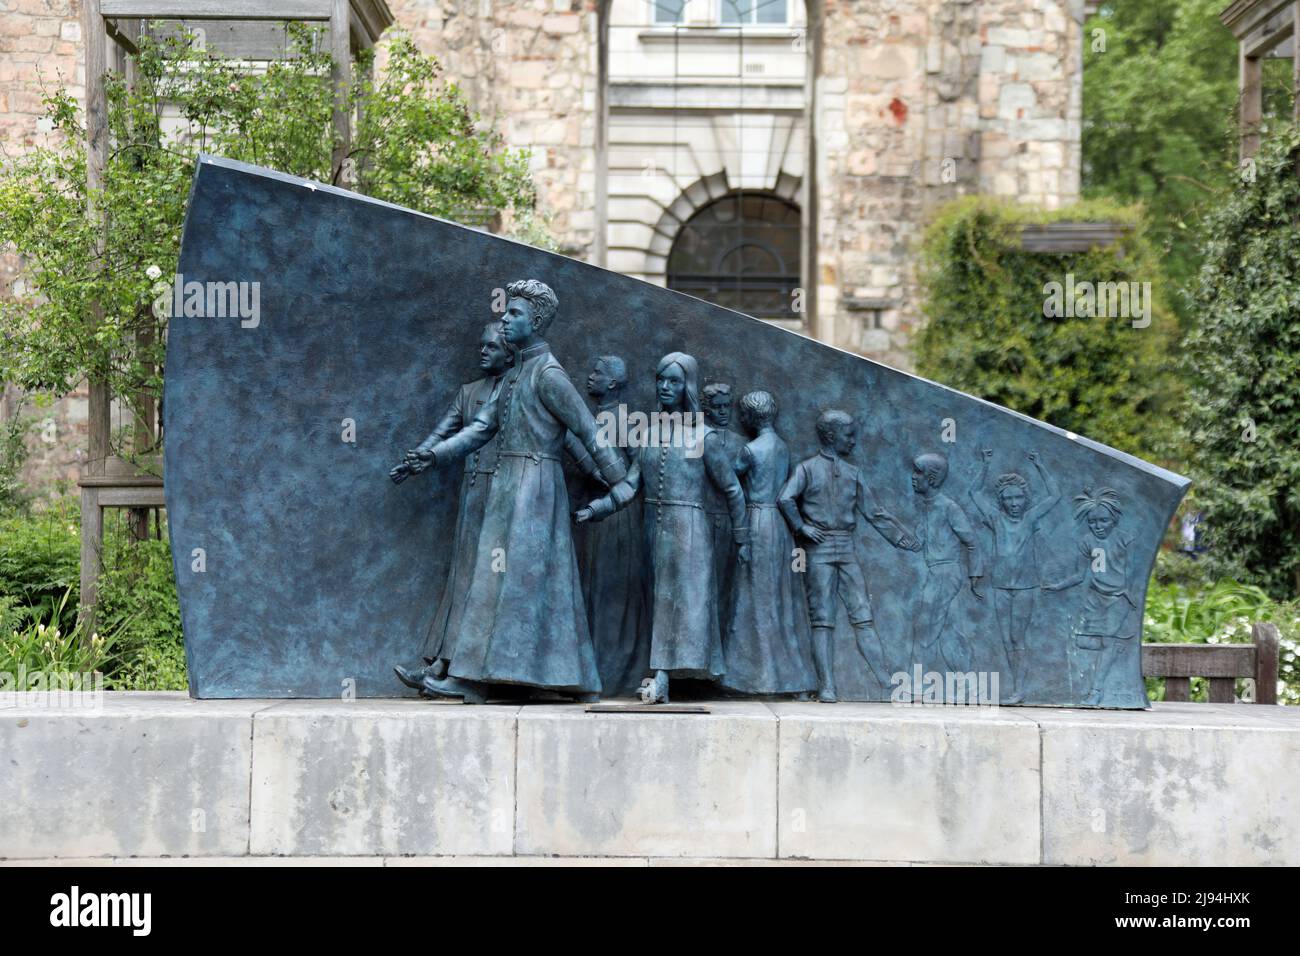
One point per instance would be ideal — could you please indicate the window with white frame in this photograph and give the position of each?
(728, 12)
(760, 12)
(669, 11)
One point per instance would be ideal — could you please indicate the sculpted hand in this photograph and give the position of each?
(813, 533)
(582, 515)
(418, 460)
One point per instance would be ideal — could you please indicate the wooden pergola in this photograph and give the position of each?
(1263, 28)
(249, 30)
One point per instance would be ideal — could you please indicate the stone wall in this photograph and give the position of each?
(405, 782)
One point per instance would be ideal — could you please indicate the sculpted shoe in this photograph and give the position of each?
(410, 676)
(438, 669)
(827, 695)
(467, 691)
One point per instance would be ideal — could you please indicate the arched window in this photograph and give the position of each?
(742, 252)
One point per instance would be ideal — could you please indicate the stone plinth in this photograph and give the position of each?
(408, 782)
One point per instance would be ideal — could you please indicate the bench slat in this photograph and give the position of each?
(1198, 660)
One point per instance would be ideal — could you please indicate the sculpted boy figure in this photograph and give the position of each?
(947, 541)
(821, 502)
(524, 620)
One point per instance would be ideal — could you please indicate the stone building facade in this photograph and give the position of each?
(847, 120)
(893, 107)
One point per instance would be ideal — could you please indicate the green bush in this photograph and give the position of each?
(40, 562)
(1243, 361)
(137, 601)
(988, 333)
(137, 609)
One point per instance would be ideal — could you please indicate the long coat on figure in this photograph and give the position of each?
(612, 562)
(524, 620)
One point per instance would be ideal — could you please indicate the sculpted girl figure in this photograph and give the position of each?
(670, 471)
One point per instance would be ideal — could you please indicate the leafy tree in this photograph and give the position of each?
(1159, 89)
(416, 143)
(989, 332)
(1243, 360)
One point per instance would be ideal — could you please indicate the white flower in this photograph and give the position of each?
(153, 272)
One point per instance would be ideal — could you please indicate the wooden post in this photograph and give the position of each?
(1251, 106)
(99, 423)
(341, 50)
(1267, 645)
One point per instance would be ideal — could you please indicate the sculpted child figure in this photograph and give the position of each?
(947, 542)
(766, 641)
(1108, 624)
(671, 475)
(821, 502)
(1014, 573)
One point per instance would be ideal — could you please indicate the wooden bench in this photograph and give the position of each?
(1220, 664)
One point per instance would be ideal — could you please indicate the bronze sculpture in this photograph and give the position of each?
(767, 642)
(821, 502)
(525, 621)
(670, 472)
(947, 542)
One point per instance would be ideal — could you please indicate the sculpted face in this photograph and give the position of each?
(517, 323)
(1101, 521)
(717, 410)
(493, 357)
(846, 439)
(1013, 500)
(599, 382)
(920, 483)
(670, 386)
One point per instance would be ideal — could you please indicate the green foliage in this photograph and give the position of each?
(137, 601)
(39, 654)
(1159, 90)
(1243, 361)
(987, 332)
(137, 609)
(13, 452)
(416, 143)
(40, 563)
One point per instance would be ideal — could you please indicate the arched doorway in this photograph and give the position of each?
(741, 251)
(701, 100)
